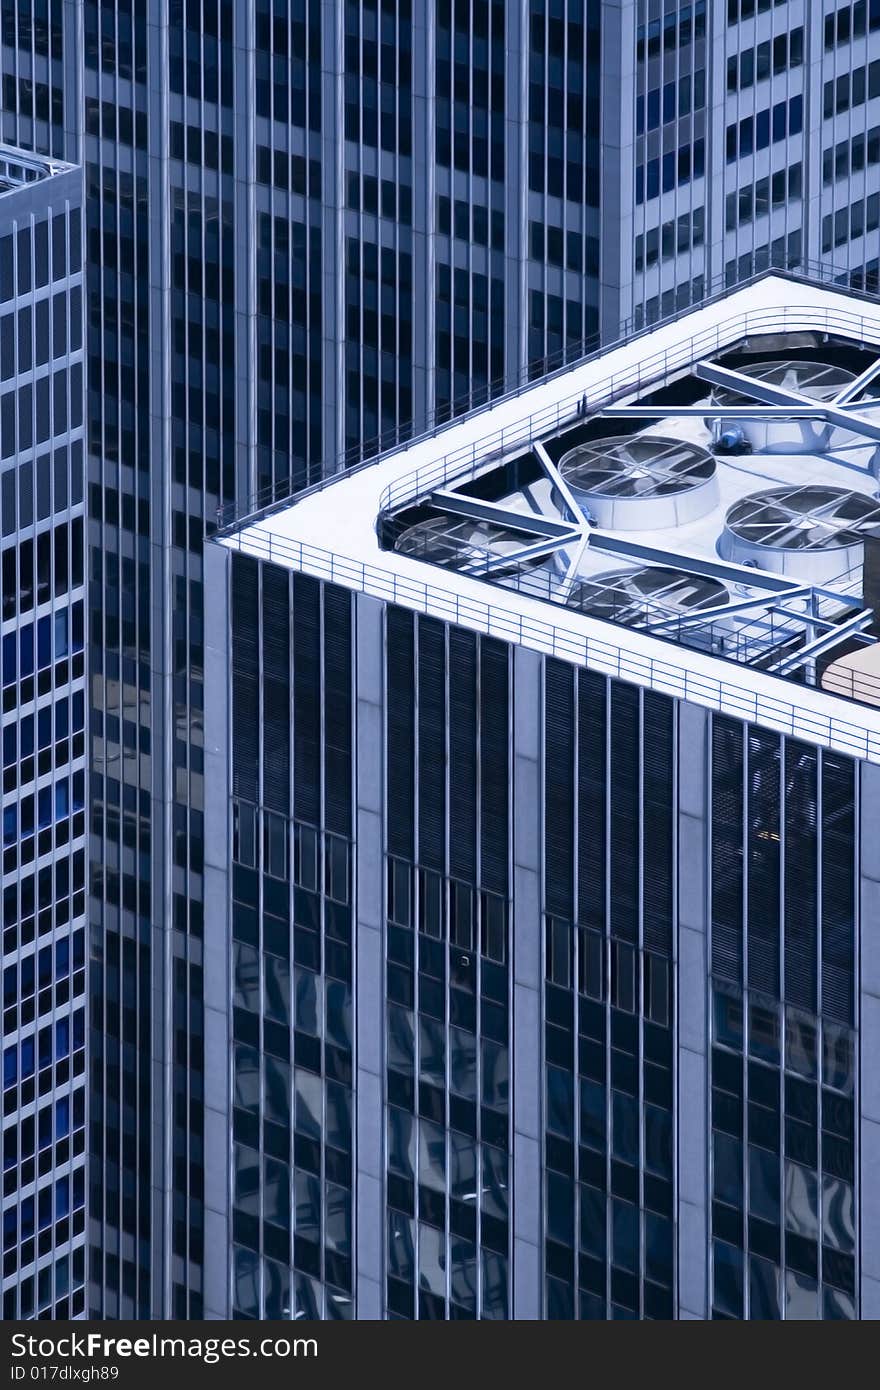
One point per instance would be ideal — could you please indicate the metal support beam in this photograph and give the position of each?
(849, 393)
(558, 481)
(846, 600)
(726, 610)
(779, 395)
(766, 391)
(514, 557)
(829, 639)
(811, 618)
(726, 412)
(447, 500)
(694, 564)
(562, 593)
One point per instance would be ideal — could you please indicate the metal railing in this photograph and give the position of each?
(607, 657)
(639, 375)
(24, 166)
(277, 495)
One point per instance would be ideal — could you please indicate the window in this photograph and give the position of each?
(336, 868)
(623, 976)
(244, 833)
(657, 989)
(274, 845)
(305, 857)
(493, 927)
(431, 903)
(462, 910)
(591, 963)
(559, 951)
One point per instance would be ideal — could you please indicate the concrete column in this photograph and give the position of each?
(692, 1010)
(527, 976)
(369, 1214)
(616, 233)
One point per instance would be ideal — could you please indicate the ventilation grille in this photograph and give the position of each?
(821, 381)
(458, 543)
(639, 596)
(645, 466)
(645, 482)
(803, 518)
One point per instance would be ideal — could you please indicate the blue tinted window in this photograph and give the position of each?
(44, 642)
(26, 648)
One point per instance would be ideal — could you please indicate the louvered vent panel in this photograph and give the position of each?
(307, 698)
(838, 889)
(764, 754)
(462, 755)
(801, 873)
(592, 786)
(399, 752)
(245, 678)
(276, 689)
(657, 776)
(625, 804)
(432, 744)
(559, 745)
(337, 710)
(727, 849)
(494, 765)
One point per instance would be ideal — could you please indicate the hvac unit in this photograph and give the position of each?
(639, 597)
(460, 543)
(641, 483)
(814, 533)
(818, 381)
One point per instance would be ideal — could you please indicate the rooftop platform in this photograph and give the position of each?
(695, 509)
(19, 168)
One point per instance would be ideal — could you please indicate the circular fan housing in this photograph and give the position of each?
(819, 381)
(641, 483)
(813, 532)
(638, 597)
(458, 543)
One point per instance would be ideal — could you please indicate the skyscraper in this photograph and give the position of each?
(44, 744)
(313, 231)
(551, 751)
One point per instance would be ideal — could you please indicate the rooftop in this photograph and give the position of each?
(696, 509)
(21, 167)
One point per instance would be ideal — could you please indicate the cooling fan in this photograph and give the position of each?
(458, 543)
(638, 597)
(644, 482)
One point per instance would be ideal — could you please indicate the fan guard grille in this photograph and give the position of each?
(648, 594)
(639, 467)
(457, 543)
(821, 381)
(803, 518)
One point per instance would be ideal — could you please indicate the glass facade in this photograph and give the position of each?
(564, 159)
(447, 1018)
(464, 177)
(784, 1055)
(609, 998)
(630, 790)
(291, 949)
(42, 641)
(130, 835)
